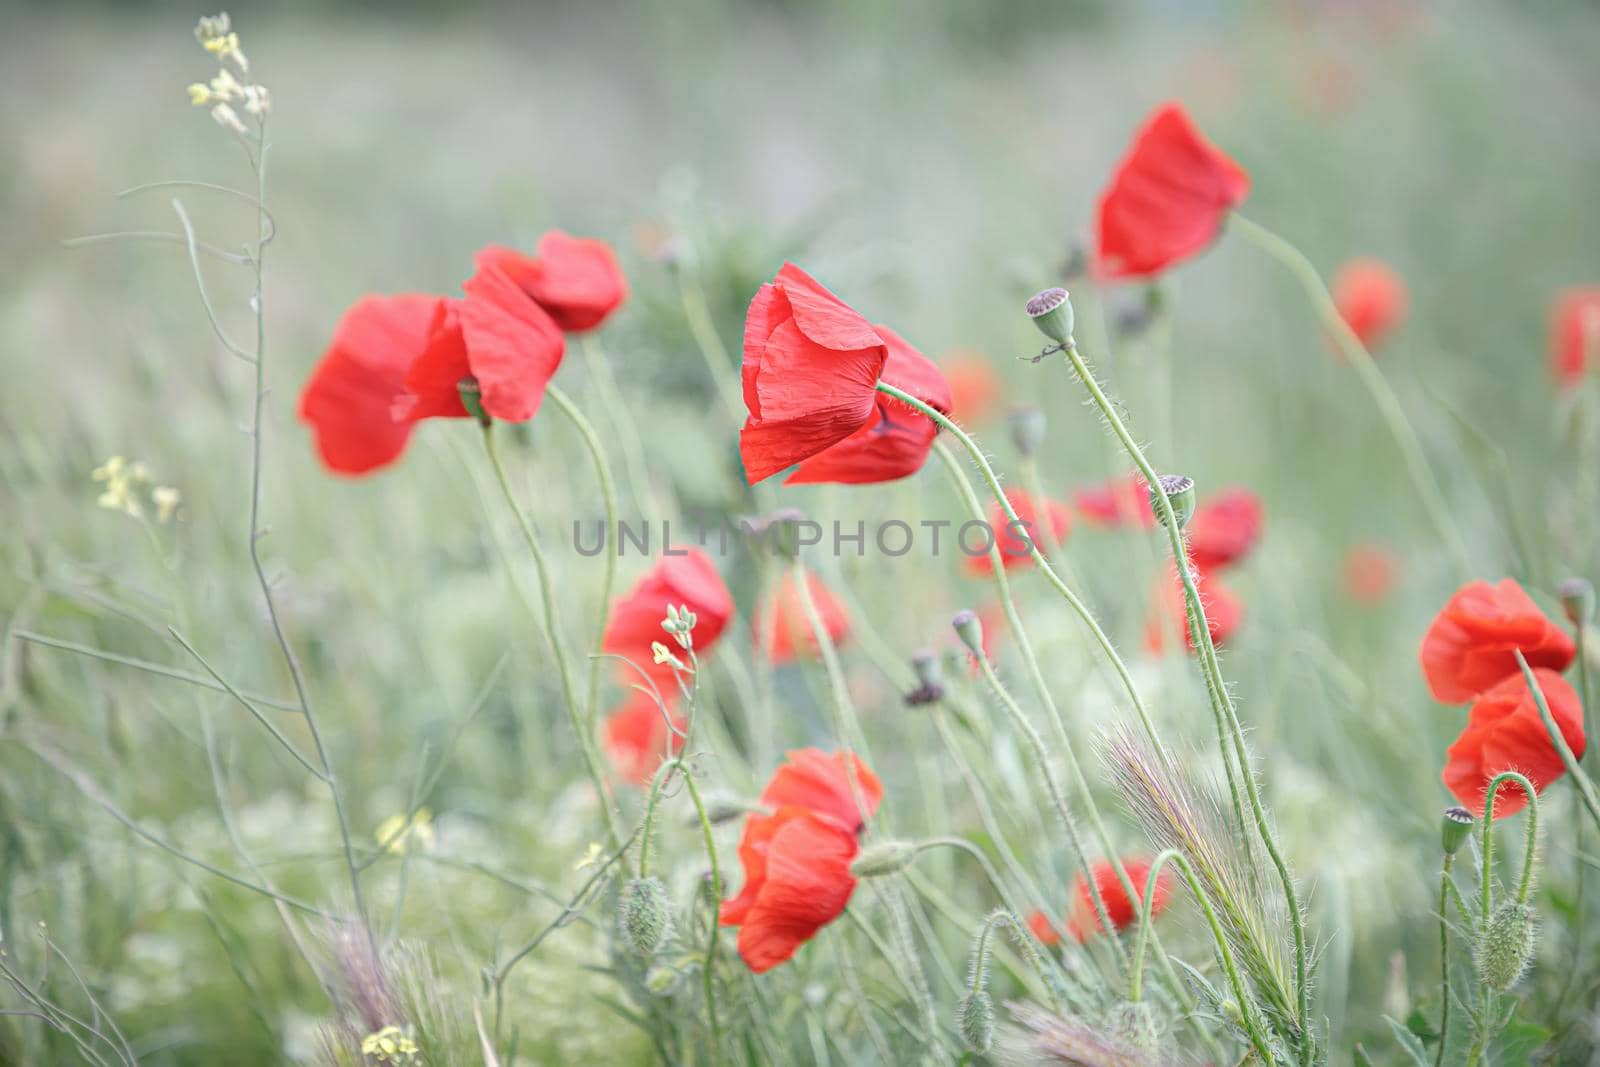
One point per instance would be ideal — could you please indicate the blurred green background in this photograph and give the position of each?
(933, 164)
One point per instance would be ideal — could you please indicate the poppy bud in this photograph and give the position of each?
(1577, 600)
(1027, 429)
(472, 399)
(885, 857)
(930, 680)
(975, 1020)
(1133, 1022)
(1505, 946)
(663, 981)
(969, 629)
(720, 809)
(1179, 491)
(1455, 829)
(645, 915)
(1051, 311)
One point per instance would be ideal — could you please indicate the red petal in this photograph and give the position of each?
(349, 399)
(513, 345)
(820, 782)
(808, 884)
(784, 625)
(575, 279)
(689, 580)
(434, 381)
(637, 737)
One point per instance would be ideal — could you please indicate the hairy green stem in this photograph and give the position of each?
(1531, 841)
(1580, 779)
(1444, 960)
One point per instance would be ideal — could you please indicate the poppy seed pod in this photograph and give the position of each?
(1179, 491)
(1577, 600)
(1027, 429)
(1051, 311)
(975, 1020)
(1133, 1022)
(969, 629)
(644, 916)
(930, 680)
(1505, 946)
(1455, 828)
(885, 857)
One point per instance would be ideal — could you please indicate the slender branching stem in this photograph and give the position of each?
(1580, 779)
(1444, 959)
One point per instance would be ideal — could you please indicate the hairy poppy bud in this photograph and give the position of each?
(1133, 1022)
(1027, 429)
(1505, 946)
(645, 915)
(1455, 829)
(1577, 600)
(930, 680)
(1179, 491)
(721, 809)
(975, 1020)
(969, 629)
(885, 857)
(1051, 311)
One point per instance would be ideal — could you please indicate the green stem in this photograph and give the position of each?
(608, 494)
(552, 628)
(722, 368)
(846, 723)
(1444, 960)
(1222, 703)
(1486, 898)
(1580, 779)
(1257, 1039)
(1422, 476)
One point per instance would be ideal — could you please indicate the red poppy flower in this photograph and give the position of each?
(349, 399)
(1371, 298)
(1168, 198)
(895, 441)
(1472, 642)
(637, 737)
(1224, 612)
(975, 388)
(810, 371)
(1012, 541)
(1224, 529)
(797, 860)
(1118, 502)
(494, 335)
(1574, 334)
(784, 619)
(690, 580)
(1083, 921)
(1369, 574)
(575, 279)
(1506, 733)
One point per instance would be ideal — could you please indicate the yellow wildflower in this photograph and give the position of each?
(591, 857)
(199, 94)
(394, 834)
(390, 1045)
(166, 500)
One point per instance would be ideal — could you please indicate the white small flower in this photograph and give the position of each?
(228, 119)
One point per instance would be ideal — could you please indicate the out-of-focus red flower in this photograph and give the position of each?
(1505, 732)
(811, 368)
(1118, 502)
(1013, 541)
(690, 580)
(895, 441)
(349, 399)
(1167, 199)
(637, 737)
(1371, 298)
(1083, 921)
(1574, 334)
(576, 279)
(1224, 529)
(797, 860)
(495, 336)
(1472, 643)
(1224, 611)
(784, 625)
(975, 388)
(1369, 574)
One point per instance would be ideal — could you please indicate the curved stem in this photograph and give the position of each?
(846, 723)
(552, 628)
(1252, 1028)
(1486, 899)
(608, 494)
(1422, 477)
(1222, 703)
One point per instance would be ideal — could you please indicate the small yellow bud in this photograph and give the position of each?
(225, 86)
(228, 119)
(395, 834)
(199, 94)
